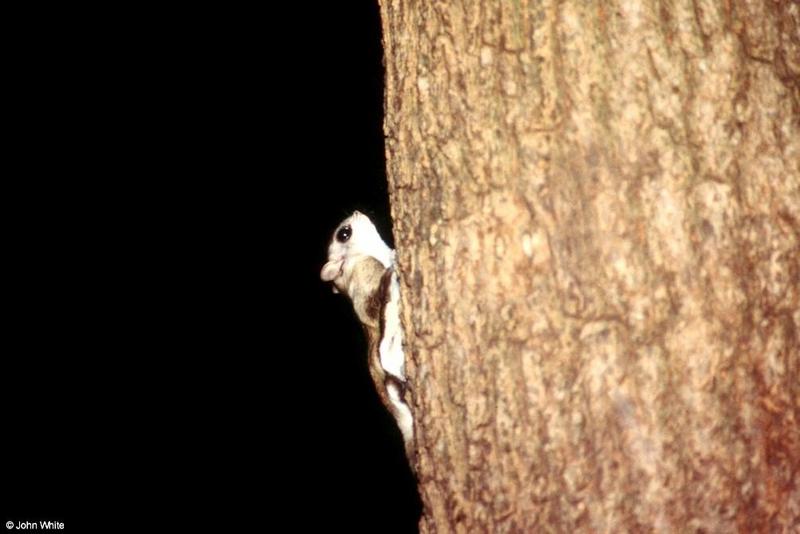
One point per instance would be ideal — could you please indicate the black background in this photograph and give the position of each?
(171, 356)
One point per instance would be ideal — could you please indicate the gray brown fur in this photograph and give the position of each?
(368, 286)
(362, 286)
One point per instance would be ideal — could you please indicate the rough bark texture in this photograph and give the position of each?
(597, 214)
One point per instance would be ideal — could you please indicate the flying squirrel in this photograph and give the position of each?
(361, 266)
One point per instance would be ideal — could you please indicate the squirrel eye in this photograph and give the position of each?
(344, 234)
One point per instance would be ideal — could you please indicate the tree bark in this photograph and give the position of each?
(596, 209)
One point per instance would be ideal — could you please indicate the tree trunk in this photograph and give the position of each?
(597, 215)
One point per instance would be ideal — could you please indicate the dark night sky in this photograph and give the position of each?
(170, 349)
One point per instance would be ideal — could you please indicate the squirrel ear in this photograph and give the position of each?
(331, 270)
